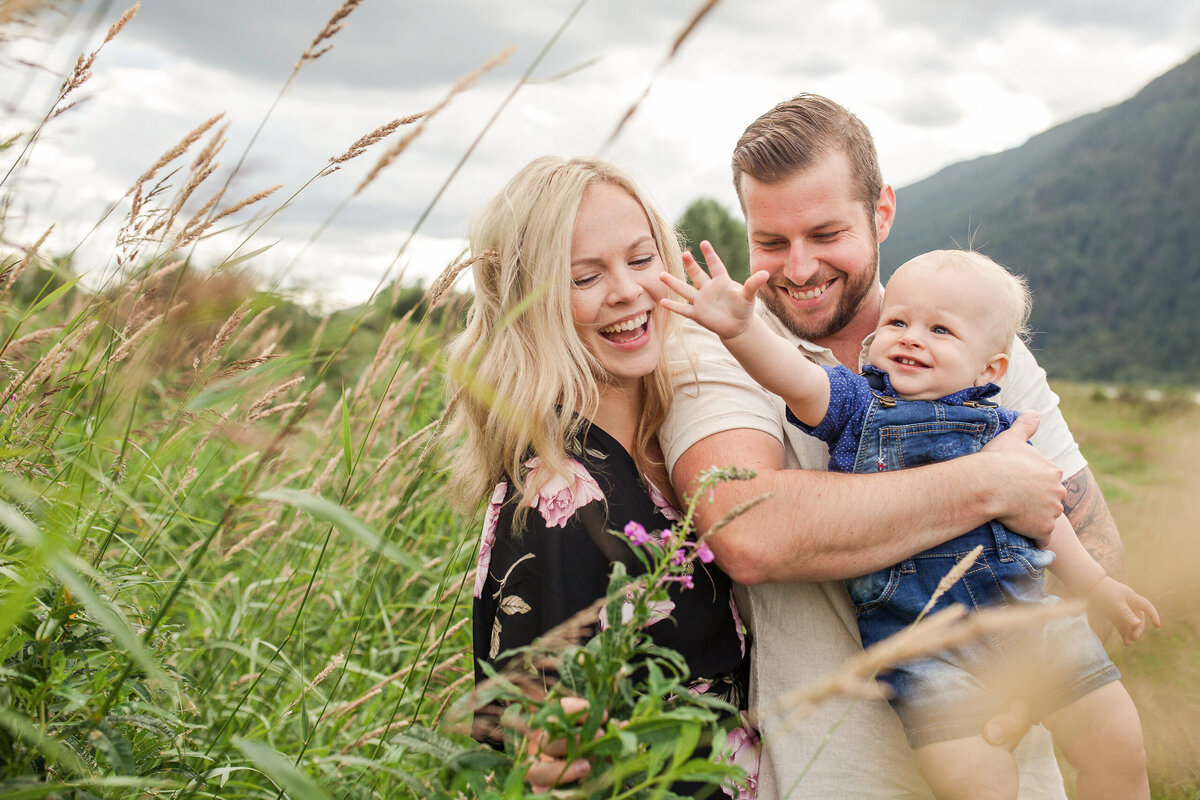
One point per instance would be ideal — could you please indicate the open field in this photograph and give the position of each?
(1141, 452)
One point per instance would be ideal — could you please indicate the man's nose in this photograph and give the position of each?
(801, 264)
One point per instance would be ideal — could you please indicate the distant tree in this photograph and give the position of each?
(708, 219)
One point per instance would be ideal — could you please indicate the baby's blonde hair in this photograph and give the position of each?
(1012, 301)
(519, 373)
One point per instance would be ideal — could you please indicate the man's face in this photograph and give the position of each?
(813, 234)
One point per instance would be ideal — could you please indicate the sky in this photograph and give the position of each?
(937, 82)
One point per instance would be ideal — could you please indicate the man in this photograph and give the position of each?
(816, 209)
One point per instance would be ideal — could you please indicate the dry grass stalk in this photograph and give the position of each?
(948, 628)
(319, 46)
(14, 9)
(170, 155)
(687, 31)
(950, 578)
(14, 349)
(363, 142)
(249, 539)
(127, 346)
(10, 274)
(83, 65)
(54, 358)
(279, 409)
(461, 85)
(315, 682)
(443, 282)
(226, 332)
(239, 205)
(395, 452)
(270, 396)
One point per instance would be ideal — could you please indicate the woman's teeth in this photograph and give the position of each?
(628, 325)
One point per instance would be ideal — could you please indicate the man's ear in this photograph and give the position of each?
(885, 213)
(996, 366)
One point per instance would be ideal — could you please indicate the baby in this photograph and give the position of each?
(945, 335)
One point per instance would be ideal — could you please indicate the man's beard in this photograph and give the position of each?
(854, 293)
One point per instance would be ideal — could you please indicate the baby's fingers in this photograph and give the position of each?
(693, 269)
(715, 265)
(678, 285)
(755, 282)
(1142, 605)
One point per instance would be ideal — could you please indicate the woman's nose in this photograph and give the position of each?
(625, 287)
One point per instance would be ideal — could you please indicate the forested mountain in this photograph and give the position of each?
(1102, 214)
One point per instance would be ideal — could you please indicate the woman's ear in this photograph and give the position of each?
(994, 370)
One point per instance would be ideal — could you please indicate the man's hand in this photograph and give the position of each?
(1029, 490)
(1007, 728)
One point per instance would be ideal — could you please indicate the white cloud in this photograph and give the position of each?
(937, 82)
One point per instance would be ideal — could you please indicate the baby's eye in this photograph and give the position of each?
(896, 323)
(942, 329)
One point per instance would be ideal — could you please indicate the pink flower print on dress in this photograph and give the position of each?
(487, 538)
(743, 749)
(665, 508)
(559, 497)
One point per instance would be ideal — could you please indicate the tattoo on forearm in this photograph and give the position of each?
(1093, 523)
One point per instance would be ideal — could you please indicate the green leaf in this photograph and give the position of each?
(52, 750)
(54, 295)
(347, 450)
(336, 515)
(292, 781)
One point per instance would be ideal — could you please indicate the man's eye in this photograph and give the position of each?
(770, 244)
(826, 236)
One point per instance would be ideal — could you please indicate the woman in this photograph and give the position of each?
(560, 383)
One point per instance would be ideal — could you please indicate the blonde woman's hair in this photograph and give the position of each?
(520, 382)
(1011, 300)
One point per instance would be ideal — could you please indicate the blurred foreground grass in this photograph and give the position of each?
(1140, 450)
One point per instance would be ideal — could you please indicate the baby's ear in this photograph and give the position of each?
(994, 370)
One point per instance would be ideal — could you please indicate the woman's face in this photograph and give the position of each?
(615, 288)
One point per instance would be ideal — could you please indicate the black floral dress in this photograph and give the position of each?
(529, 581)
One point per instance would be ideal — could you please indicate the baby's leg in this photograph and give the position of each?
(1101, 735)
(969, 768)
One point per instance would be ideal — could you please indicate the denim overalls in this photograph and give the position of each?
(943, 697)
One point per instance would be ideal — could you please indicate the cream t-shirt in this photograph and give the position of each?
(805, 631)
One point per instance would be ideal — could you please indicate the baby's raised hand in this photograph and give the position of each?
(716, 301)
(1123, 607)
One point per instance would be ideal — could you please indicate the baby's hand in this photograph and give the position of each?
(719, 303)
(1123, 607)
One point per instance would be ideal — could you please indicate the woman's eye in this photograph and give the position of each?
(583, 281)
(643, 262)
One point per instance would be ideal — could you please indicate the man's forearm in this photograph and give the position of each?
(1093, 522)
(823, 526)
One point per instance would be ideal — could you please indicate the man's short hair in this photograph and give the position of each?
(793, 135)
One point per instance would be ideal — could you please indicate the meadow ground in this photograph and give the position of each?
(1140, 451)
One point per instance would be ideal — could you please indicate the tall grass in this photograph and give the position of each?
(227, 568)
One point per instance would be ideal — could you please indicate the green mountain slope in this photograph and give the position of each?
(1102, 214)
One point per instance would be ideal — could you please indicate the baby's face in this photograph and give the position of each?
(936, 333)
